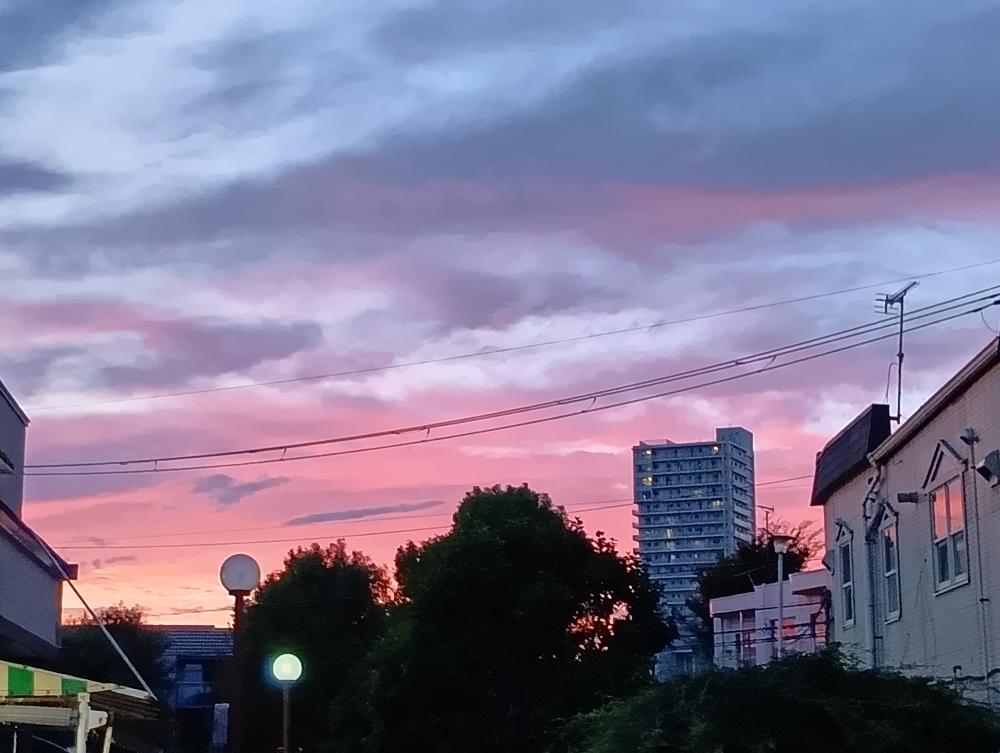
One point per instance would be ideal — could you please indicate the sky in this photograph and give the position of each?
(200, 195)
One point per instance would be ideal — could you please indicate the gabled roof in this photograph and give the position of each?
(6, 397)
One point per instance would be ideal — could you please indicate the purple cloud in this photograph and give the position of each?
(362, 512)
(227, 491)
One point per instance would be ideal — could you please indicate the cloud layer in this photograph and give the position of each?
(197, 197)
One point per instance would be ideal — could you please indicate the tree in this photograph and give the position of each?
(86, 651)
(804, 704)
(327, 606)
(751, 564)
(508, 625)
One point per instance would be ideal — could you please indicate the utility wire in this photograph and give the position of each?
(299, 539)
(573, 507)
(459, 435)
(510, 349)
(770, 355)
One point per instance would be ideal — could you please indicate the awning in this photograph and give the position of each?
(38, 697)
(20, 681)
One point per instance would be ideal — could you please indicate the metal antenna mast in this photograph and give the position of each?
(890, 302)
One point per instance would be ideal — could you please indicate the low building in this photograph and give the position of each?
(31, 575)
(196, 659)
(746, 626)
(912, 528)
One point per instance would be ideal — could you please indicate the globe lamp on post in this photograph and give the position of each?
(240, 575)
(286, 669)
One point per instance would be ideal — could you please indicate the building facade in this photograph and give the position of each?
(912, 533)
(30, 575)
(694, 503)
(197, 661)
(746, 626)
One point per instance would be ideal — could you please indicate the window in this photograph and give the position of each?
(890, 572)
(948, 524)
(847, 582)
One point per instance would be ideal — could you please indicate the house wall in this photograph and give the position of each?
(30, 597)
(12, 438)
(939, 631)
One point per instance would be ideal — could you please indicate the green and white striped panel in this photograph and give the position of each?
(17, 681)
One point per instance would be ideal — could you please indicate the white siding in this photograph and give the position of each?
(939, 631)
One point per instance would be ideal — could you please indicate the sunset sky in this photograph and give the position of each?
(204, 194)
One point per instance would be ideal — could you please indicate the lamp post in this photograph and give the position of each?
(240, 575)
(780, 543)
(287, 669)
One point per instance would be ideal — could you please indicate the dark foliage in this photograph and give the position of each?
(507, 626)
(805, 704)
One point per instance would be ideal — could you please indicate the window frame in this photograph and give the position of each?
(955, 541)
(846, 586)
(891, 574)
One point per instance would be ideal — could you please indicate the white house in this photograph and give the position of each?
(912, 526)
(746, 626)
(30, 579)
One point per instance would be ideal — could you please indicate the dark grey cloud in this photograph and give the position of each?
(451, 27)
(26, 372)
(843, 97)
(468, 298)
(227, 491)
(18, 177)
(184, 349)
(361, 512)
(29, 31)
(731, 110)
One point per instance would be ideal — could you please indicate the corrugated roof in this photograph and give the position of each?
(846, 454)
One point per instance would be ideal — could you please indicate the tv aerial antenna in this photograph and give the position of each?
(889, 304)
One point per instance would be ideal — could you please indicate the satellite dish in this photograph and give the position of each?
(240, 574)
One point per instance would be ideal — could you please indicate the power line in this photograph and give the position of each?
(577, 507)
(490, 430)
(477, 432)
(573, 507)
(510, 349)
(299, 539)
(783, 480)
(593, 396)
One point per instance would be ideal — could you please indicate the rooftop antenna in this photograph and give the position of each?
(890, 302)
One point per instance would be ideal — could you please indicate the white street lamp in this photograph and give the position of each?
(240, 575)
(287, 669)
(780, 543)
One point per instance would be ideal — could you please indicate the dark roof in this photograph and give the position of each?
(8, 398)
(846, 454)
(15, 530)
(195, 641)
